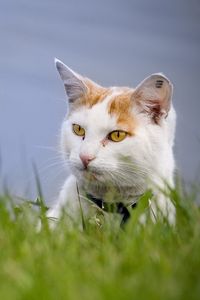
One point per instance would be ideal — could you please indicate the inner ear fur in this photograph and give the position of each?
(153, 96)
(74, 83)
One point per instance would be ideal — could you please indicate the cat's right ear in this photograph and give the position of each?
(73, 82)
(153, 96)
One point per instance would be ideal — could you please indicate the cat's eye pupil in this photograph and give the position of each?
(117, 135)
(78, 130)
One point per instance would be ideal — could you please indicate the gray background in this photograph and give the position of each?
(115, 43)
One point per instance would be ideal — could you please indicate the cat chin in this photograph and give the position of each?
(89, 179)
(87, 175)
(90, 176)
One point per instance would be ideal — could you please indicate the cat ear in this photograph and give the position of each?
(153, 96)
(73, 82)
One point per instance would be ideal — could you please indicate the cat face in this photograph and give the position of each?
(109, 135)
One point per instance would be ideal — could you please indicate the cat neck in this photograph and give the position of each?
(110, 193)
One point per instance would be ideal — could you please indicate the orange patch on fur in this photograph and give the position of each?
(121, 107)
(95, 94)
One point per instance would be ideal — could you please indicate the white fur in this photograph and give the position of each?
(126, 168)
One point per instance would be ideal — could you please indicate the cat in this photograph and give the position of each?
(118, 142)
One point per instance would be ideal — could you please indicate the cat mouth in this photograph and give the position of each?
(91, 173)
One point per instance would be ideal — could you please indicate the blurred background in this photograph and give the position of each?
(114, 42)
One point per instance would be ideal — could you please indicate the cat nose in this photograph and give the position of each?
(86, 159)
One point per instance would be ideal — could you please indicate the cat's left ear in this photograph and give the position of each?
(153, 96)
(73, 82)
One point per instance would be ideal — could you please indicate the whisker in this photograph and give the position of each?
(129, 168)
(46, 148)
(52, 178)
(46, 168)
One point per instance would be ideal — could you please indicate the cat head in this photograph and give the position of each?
(111, 134)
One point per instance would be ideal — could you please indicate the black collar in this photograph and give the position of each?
(117, 207)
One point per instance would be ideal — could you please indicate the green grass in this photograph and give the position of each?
(154, 261)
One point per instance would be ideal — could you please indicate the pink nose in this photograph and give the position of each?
(86, 159)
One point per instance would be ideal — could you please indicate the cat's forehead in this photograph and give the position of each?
(110, 105)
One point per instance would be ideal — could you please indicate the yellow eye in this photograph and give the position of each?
(78, 130)
(117, 135)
